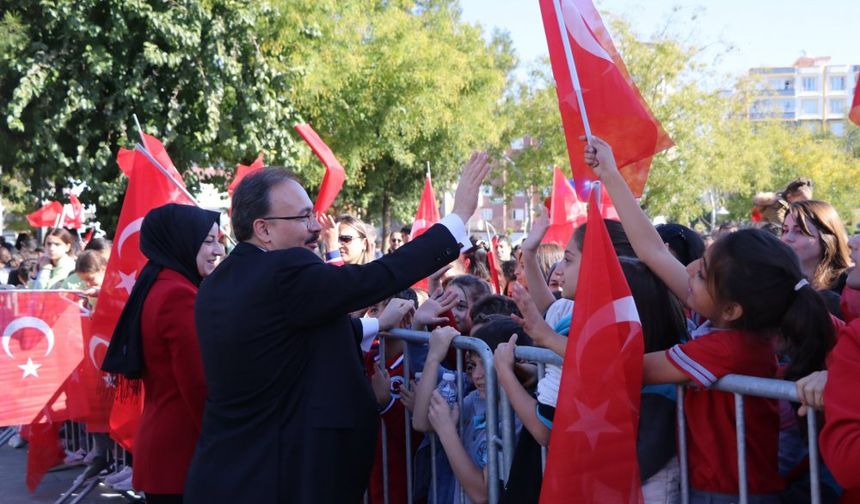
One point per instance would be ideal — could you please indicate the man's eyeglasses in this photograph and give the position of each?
(308, 218)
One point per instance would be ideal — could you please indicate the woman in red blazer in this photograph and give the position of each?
(155, 344)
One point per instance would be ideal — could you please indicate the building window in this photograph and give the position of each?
(788, 106)
(519, 214)
(810, 83)
(809, 106)
(837, 83)
(837, 106)
(486, 190)
(837, 128)
(487, 214)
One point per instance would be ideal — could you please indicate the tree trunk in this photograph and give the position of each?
(386, 219)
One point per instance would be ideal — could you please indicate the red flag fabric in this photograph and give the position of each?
(854, 114)
(157, 150)
(334, 173)
(494, 268)
(73, 213)
(615, 109)
(428, 212)
(125, 160)
(41, 346)
(47, 215)
(593, 455)
(148, 188)
(566, 212)
(45, 449)
(243, 171)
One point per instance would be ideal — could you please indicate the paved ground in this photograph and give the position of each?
(13, 490)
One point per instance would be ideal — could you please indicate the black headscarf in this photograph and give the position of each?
(170, 237)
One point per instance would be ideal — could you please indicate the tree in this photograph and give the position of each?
(720, 157)
(72, 73)
(392, 86)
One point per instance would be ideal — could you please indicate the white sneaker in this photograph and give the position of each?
(124, 485)
(74, 457)
(124, 473)
(16, 441)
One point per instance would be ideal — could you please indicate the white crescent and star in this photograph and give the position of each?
(95, 341)
(130, 229)
(127, 281)
(25, 322)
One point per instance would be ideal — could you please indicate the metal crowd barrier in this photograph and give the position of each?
(738, 385)
(494, 442)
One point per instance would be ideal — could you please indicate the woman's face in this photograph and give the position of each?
(461, 309)
(352, 244)
(555, 278)
(569, 270)
(56, 248)
(520, 272)
(210, 252)
(807, 248)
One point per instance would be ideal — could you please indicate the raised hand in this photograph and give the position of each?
(328, 233)
(440, 341)
(466, 196)
(430, 313)
(503, 357)
(394, 312)
(531, 321)
(380, 382)
(541, 224)
(598, 155)
(442, 416)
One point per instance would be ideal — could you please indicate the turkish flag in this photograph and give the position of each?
(156, 150)
(854, 114)
(148, 188)
(73, 213)
(125, 160)
(41, 346)
(492, 263)
(593, 439)
(45, 449)
(615, 109)
(46, 216)
(334, 173)
(243, 171)
(566, 212)
(428, 212)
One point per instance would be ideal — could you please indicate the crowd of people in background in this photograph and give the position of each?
(776, 297)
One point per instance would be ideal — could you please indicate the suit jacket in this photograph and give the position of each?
(174, 386)
(290, 415)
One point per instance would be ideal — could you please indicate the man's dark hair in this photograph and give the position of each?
(99, 245)
(251, 199)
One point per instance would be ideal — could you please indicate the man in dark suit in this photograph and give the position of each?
(290, 416)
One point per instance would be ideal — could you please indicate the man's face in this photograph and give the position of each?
(289, 199)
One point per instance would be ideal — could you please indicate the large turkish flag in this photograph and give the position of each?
(41, 346)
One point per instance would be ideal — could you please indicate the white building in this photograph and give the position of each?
(812, 92)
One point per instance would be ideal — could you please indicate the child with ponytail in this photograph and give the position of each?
(751, 290)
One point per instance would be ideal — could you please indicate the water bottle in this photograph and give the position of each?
(447, 389)
(417, 376)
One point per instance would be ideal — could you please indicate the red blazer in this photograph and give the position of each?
(174, 386)
(840, 436)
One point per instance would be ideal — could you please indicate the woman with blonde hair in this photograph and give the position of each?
(817, 235)
(357, 240)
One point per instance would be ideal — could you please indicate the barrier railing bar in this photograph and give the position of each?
(682, 446)
(740, 429)
(814, 479)
(541, 371)
(507, 433)
(481, 348)
(383, 362)
(460, 424)
(407, 417)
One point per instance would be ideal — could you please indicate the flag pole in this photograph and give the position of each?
(139, 130)
(176, 183)
(571, 65)
(595, 186)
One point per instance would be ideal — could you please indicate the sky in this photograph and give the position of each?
(759, 32)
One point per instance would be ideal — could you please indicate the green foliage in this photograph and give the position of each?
(391, 86)
(72, 73)
(718, 151)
